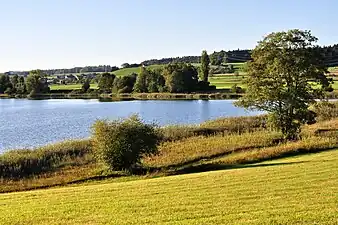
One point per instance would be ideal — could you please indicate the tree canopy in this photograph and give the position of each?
(106, 81)
(286, 75)
(180, 77)
(205, 66)
(36, 83)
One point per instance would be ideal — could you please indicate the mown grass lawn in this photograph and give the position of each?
(298, 190)
(227, 80)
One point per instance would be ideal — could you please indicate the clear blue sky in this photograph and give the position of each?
(65, 33)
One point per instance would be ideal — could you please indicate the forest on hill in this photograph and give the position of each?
(330, 54)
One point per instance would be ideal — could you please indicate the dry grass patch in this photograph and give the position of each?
(196, 148)
(307, 145)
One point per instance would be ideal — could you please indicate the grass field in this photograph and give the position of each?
(221, 81)
(127, 71)
(227, 80)
(70, 86)
(298, 190)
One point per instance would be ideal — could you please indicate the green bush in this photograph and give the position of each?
(121, 144)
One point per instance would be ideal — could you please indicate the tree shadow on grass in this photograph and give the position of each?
(219, 166)
(197, 168)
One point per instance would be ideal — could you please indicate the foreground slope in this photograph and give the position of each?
(298, 190)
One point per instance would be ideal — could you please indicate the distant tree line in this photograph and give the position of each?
(330, 54)
(127, 65)
(86, 69)
(174, 78)
(33, 84)
(222, 57)
(184, 59)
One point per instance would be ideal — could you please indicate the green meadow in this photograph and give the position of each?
(296, 190)
(128, 71)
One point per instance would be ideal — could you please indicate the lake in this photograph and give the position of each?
(29, 123)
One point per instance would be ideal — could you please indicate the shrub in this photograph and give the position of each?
(121, 144)
(326, 110)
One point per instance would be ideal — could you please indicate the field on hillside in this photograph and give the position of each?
(70, 86)
(127, 71)
(298, 190)
(219, 80)
(227, 80)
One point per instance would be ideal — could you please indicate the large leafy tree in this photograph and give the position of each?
(21, 86)
(4, 83)
(86, 85)
(180, 77)
(205, 66)
(156, 81)
(124, 84)
(106, 82)
(149, 81)
(286, 75)
(141, 84)
(36, 82)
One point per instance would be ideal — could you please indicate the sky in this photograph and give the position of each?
(45, 34)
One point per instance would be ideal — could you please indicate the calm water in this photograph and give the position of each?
(28, 123)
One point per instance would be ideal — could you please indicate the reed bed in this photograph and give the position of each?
(196, 148)
(25, 162)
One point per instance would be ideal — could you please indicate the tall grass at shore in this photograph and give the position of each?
(23, 163)
(197, 148)
(224, 126)
(306, 145)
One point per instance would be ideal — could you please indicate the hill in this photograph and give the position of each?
(330, 54)
(127, 71)
(297, 190)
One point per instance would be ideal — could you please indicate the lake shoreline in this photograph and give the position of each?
(221, 95)
(50, 120)
(132, 96)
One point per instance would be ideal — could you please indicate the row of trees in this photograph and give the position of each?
(330, 54)
(74, 70)
(34, 83)
(174, 78)
(184, 59)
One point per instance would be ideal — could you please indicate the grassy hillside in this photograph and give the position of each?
(228, 80)
(298, 190)
(127, 71)
(219, 80)
(70, 86)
